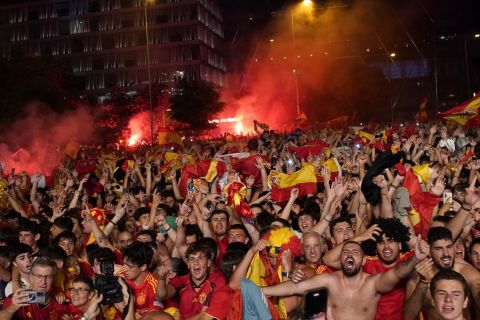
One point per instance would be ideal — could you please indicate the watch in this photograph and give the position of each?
(287, 274)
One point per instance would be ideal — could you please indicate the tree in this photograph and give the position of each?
(26, 79)
(195, 102)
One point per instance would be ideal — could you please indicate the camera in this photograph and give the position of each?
(39, 297)
(107, 284)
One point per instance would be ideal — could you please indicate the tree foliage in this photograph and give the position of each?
(194, 103)
(27, 79)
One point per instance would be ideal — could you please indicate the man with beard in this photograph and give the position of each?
(390, 235)
(353, 293)
(442, 253)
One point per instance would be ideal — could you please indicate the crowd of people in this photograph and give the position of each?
(382, 218)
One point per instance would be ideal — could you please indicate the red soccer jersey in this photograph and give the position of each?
(145, 294)
(390, 306)
(214, 294)
(324, 269)
(52, 311)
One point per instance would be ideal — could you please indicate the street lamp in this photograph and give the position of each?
(295, 62)
(149, 73)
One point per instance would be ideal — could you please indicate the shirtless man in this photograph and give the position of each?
(353, 294)
(442, 253)
(450, 294)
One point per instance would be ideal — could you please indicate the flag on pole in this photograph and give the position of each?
(465, 114)
(422, 114)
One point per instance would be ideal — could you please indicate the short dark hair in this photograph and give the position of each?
(474, 242)
(136, 190)
(54, 253)
(443, 219)
(201, 246)
(64, 223)
(29, 226)
(18, 249)
(95, 252)
(339, 220)
(86, 280)
(139, 253)
(193, 229)
(352, 241)
(150, 233)
(449, 275)
(65, 235)
(438, 233)
(140, 212)
(229, 260)
(218, 212)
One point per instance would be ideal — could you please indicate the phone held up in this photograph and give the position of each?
(315, 304)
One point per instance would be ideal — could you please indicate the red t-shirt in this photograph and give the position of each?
(214, 294)
(145, 294)
(222, 248)
(390, 306)
(324, 269)
(76, 313)
(52, 311)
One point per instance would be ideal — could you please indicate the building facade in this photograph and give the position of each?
(105, 41)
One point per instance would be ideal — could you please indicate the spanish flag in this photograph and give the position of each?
(304, 179)
(465, 114)
(175, 159)
(248, 167)
(422, 202)
(365, 136)
(208, 169)
(169, 137)
(422, 114)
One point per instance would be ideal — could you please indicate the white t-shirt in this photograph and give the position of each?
(24, 283)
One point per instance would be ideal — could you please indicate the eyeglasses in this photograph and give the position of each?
(273, 250)
(79, 290)
(40, 277)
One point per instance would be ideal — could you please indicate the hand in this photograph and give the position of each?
(163, 272)
(157, 199)
(259, 163)
(362, 159)
(294, 193)
(121, 305)
(60, 297)
(260, 245)
(425, 269)
(250, 181)
(19, 299)
(339, 187)
(205, 214)
(438, 187)
(422, 249)
(298, 275)
(369, 234)
(471, 196)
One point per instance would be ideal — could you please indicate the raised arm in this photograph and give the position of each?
(289, 288)
(384, 282)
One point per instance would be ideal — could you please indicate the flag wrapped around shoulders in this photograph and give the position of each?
(208, 169)
(465, 114)
(282, 184)
(422, 202)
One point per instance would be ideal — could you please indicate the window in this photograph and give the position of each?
(62, 9)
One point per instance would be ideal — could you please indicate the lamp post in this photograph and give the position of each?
(149, 74)
(295, 63)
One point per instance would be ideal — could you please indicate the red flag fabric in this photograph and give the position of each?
(198, 170)
(423, 204)
(465, 114)
(248, 167)
(310, 149)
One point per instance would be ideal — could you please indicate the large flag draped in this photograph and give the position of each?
(313, 149)
(282, 184)
(422, 202)
(465, 114)
(248, 167)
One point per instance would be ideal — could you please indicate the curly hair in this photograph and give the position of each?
(393, 229)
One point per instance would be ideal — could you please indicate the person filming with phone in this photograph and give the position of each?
(36, 304)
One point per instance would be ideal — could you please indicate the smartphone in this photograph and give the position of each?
(315, 304)
(447, 197)
(39, 297)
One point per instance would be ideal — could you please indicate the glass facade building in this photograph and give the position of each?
(105, 41)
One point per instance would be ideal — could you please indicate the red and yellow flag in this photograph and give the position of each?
(169, 137)
(304, 179)
(465, 114)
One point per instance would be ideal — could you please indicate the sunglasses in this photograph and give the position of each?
(273, 250)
